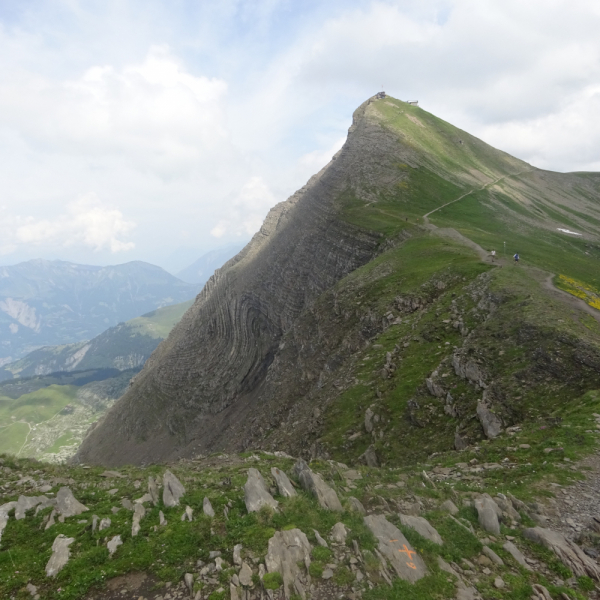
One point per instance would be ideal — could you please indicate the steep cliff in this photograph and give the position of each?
(279, 330)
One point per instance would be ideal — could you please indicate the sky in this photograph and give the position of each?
(160, 130)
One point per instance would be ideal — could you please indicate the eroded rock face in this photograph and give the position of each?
(205, 379)
(288, 549)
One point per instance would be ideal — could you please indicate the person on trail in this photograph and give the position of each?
(493, 255)
(516, 257)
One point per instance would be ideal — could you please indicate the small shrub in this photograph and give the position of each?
(343, 576)
(586, 583)
(322, 554)
(315, 569)
(272, 581)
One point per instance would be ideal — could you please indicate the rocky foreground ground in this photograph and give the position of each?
(271, 527)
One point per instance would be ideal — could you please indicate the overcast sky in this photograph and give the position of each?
(158, 130)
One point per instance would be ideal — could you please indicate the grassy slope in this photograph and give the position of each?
(526, 221)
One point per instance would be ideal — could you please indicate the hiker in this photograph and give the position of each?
(493, 255)
(516, 257)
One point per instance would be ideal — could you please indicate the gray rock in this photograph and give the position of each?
(338, 534)
(233, 592)
(449, 507)
(237, 554)
(172, 490)
(51, 520)
(487, 511)
(355, 505)
(113, 544)
(320, 540)
(288, 549)
(422, 527)
(245, 575)
(463, 591)
(492, 425)
(95, 519)
(127, 504)
(161, 518)
(188, 514)
(327, 574)
(313, 483)
(369, 457)
(188, 579)
(352, 475)
(25, 503)
(284, 485)
(499, 583)
(517, 555)
(153, 490)
(540, 592)
(569, 553)
(4, 510)
(369, 420)
(104, 524)
(493, 556)
(67, 505)
(145, 498)
(395, 547)
(460, 442)
(138, 514)
(256, 494)
(60, 555)
(207, 508)
(32, 590)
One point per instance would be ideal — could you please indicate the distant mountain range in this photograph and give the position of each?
(49, 398)
(51, 303)
(200, 271)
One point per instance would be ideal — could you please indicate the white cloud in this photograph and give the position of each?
(86, 223)
(247, 211)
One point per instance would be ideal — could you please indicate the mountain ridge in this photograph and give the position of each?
(314, 253)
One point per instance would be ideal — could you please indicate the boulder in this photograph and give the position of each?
(493, 556)
(207, 508)
(369, 457)
(488, 511)
(422, 527)
(313, 483)
(320, 540)
(256, 494)
(138, 514)
(161, 518)
(517, 555)
(569, 553)
(60, 555)
(237, 554)
(245, 575)
(172, 490)
(449, 507)
(396, 549)
(355, 505)
(284, 485)
(153, 490)
(288, 549)
(104, 524)
(188, 514)
(25, 503)
(67, 505)
(4, 510)
(369, 420)
(338, 534)
(492, 425)
(113, 544)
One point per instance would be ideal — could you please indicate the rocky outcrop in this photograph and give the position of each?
(422, 527)
(172, 489)
(256, 494)
(488, 512)
(313, 483)
(569, 553)
(287, 551)
(284, 485)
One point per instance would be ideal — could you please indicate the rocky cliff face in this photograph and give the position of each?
(219, 354)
